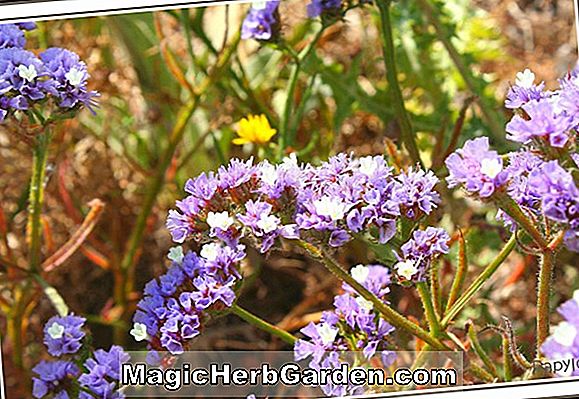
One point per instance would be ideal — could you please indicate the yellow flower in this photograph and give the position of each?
(254, 129)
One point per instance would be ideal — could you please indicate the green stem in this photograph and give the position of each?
(461, 270)
(285, 136)
(400, 112)
(478, 283)
(511, 208)
(389, 314)
(543, 297)
(508, 362)
(477, 347)
(263, 325)
(36, 198)
(492, 118)
(430, 312)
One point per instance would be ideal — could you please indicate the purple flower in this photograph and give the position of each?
(544, 121)
(262, 21)
(318, 7)
(477, 168)
(70, 76)
(563, 344)
(11, 36)
(53, 378)
(23, 81)
(26, 25)
(103, 372)
(419, 251)
(414, 191)
(524, 90)
(63, 335)
(375, 278)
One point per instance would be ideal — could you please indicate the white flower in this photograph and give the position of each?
(368, 165)
(268, 223)
(333, 208)
(525, 79)
(360, 273)
(27, 73)
(75, 77)
(176, 254)
(491, 167)
(139, 332)
(327, 333)
(406, 269)
(268, 173)
(565, 333)
(576, 296)
(364, 303)
(220, 220)
(55, 331)
(210, 251)
(290, 161)
(259, 5)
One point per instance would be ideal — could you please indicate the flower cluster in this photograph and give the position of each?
(564, 342)
(352, 326)
(176, 305)
(262, 21)
(419, 252)
(69, 377)
(27, 80)
(539, 177)
(327, 205)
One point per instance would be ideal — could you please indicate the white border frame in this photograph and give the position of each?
(64, 9)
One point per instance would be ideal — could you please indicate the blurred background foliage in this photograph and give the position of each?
(148, 67)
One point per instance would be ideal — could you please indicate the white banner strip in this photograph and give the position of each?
(45, 10)
(536, 389)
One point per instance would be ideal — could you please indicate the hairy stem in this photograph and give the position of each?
(511, 208)
(400, 112)
(472, 290)
(36, 198)
(429, 310)
(477, 347)
(263, 325)
(543, 296)
(389, 314)
(461, 270)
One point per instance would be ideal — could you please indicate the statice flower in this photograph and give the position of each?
(103, 373)
(559, 197)
(26, 25)
(318, 7)
(524, 90)
(11, 36)
(262, 21)
(477, 168)
(63, 335)
(70, 77)
(417, 254)
(54, 379)
(563, 344)
(352, 326)
(23, 81)
(543, 120)
(414, 191)
(176, 305)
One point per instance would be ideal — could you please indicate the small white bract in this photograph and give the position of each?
(268, 223)
(27, 73)
(220, 220)
(139, 332)
(491, 167)
(565, 333)
(210, 251)
(333, 208)
(360, 273)
(55, 331)
(327, 333)
(75, 77)
(406, 269)
(525, 79)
